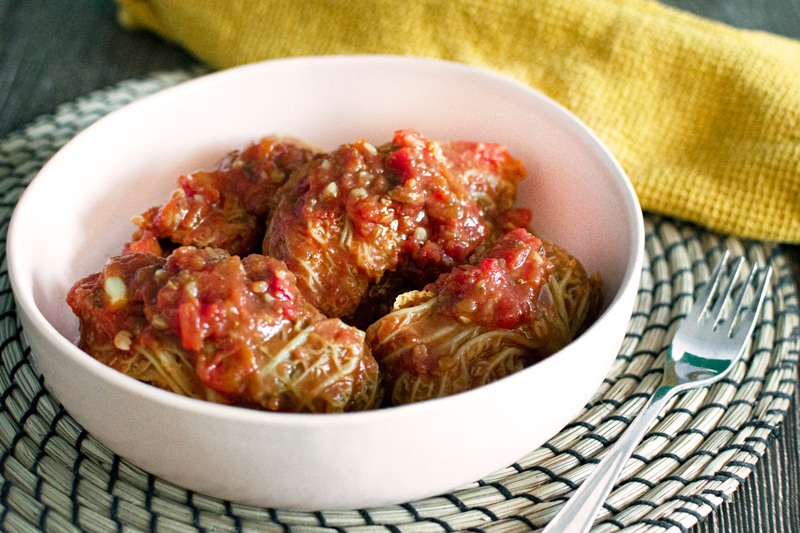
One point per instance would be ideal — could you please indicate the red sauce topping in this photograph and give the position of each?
(226, 208)
(358, 212)
(502, 290)
(229, 318)
(349, 230)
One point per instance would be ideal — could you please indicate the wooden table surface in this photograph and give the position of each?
(54, 51)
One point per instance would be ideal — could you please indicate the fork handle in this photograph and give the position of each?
(580, 511)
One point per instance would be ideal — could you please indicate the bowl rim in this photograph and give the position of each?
(27, 305)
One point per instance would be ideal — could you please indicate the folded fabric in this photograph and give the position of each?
(704, 118)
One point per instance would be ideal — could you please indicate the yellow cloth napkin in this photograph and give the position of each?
(705, 118)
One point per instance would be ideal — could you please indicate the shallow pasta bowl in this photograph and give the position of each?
(76, 213)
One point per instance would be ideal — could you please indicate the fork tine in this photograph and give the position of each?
(707, 291)
(751, 313)
(725, 293)
(737, 305)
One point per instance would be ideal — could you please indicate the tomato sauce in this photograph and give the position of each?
(227, 319)
(502, 289)
(239, 288)
(226, 208)
(360, 212)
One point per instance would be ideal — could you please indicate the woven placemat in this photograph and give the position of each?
(54, 476)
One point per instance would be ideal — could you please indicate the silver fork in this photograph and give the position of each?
(704, 349)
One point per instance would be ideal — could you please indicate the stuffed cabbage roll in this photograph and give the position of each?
(212, 326)
(225, 208)
(522, 301)
(361, 224)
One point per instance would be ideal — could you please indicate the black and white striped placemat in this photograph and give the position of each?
(54, 476)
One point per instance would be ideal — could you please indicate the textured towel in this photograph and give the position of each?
(705, 118)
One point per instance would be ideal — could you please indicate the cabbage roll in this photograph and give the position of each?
(394, 217)
(523, 300)
(225, 208)
(208, 325)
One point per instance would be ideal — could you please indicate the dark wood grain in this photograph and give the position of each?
(775, 16)
(53, 51)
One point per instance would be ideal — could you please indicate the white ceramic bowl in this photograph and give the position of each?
(76, 213)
